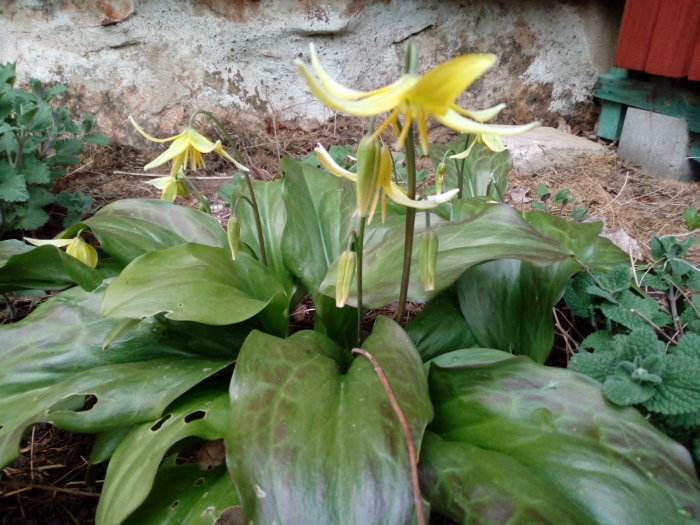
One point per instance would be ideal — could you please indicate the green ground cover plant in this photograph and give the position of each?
(180, 334)
(38, 142)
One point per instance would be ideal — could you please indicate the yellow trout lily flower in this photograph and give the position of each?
(416, 97)
(491, 142)
(188, 145)
(385, 186)
(75, 247)
(171, 186)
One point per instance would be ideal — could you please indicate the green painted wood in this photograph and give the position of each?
(675, 102)
(611, 119)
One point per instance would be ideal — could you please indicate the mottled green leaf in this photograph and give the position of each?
(130, 227)
(608, 465)
(496, 232)
(52, 360)
(320, 442)
(194, 282)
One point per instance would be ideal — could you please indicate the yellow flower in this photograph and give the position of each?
(76, 247)
(384, 185)
(171, 186)
(188, 145)
(491, 142)
(416, 97)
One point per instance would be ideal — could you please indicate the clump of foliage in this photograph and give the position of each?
(38, 141)
(560, 199)
(645, 347)
(180, 335)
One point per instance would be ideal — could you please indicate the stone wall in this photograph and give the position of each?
(161, 59)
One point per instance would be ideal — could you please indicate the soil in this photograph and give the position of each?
(52, 482)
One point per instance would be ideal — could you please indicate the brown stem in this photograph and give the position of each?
(406, 432)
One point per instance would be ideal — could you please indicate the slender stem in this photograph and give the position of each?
(200, 197)
(410, 221)
(359, 249)
(239, 158)
(672, 298)
(460, 170)
(412, 459)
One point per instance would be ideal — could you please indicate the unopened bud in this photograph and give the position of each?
(233, 234)
(82, 251)
(368, 160)
(439, 177)
(343, 280)
(427, 259)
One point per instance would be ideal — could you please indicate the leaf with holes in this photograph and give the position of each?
(313, 438)
(52, 362)
(134, 464)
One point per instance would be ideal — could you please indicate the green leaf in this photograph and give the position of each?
(624, 391)
(273, 217)
(187, 494)
(134, 465)
(130, 227)
(96, 138)
(13, 187)
(35, 171)
(439, 327)
(319, 220)
(497, 231)
(194, 282)
(598, 365)
(542, 192)
(46, 268)
(303, 405)
(583, 238)
(589, 461)
(627, 313)
(680, 391)
(508, 304)
(53, 360)
(27, 216)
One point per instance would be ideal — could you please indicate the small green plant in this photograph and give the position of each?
(38, 141)
(691, 218)
(645, 347)
(560, 199)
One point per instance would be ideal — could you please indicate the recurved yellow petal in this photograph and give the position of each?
(327, 162)
(149, 137)
(457, 122)
(60, 243)
(438, 88)
(480, 115)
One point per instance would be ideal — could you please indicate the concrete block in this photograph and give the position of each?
(657, 143)
(543, 147)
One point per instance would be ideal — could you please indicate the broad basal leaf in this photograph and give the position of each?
(130, 227)
(52, 362)
(496, 232)
(199, 283)
(315, 440)
(43, 268)
(319, 220)
(584, 461)
(134, 465)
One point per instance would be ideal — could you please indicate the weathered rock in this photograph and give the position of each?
(167, 58)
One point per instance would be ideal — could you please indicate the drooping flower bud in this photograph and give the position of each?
(233, 234)
(368, 160)
(440, 177)
(427, 259)
(343, 280)
(82, 251)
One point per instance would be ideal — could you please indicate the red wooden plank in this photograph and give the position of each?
(674, 39)
(694, 69)
(636, 31)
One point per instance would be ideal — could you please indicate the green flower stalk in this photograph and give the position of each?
(346, 273)
(233, 235)
(427, 259)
